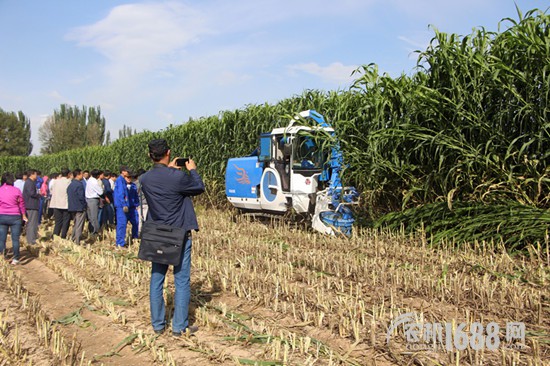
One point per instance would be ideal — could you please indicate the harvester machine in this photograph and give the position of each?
(293, 170)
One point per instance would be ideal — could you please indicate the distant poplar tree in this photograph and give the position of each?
(108, 138)
(126, 131)
(72, 127)
(15, 134)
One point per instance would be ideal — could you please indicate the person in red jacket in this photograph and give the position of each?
(12, 215)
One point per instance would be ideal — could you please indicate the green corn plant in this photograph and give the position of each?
(470, 124)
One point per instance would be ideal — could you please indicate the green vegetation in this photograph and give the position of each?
(15, 132)
(71, 127)
(466, 133)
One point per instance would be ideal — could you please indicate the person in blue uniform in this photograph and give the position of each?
(126, 204)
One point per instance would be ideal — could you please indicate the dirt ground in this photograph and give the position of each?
(269, 295)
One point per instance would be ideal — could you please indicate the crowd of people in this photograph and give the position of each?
(104, 200)
(101, 198)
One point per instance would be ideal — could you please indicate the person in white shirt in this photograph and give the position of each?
(53, 178)
(94, 191)
(60, 204)
(112, 179)
(51, 182)
(20, 179)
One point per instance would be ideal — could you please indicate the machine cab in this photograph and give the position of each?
(297, 163)
(286, 172)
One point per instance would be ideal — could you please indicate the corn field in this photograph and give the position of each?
(468, 127)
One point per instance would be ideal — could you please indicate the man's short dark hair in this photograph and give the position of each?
(86, 171)
(19, 175)
(123, 168)
(96, 173)
(76, 172)
(65, 172)
(107, 173)
(7, 178)
(31, 172)
(158, 149)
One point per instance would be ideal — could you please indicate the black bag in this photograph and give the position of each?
(161, 243)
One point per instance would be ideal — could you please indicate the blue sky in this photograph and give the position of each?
(150, 64)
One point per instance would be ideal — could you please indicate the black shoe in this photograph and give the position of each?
(159, 331)
(189, 331)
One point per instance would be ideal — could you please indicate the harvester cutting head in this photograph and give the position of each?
(333, 214)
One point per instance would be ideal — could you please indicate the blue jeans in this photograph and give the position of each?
(14, 223)
(182, 280)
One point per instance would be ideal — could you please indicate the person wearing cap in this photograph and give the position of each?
(168, 191)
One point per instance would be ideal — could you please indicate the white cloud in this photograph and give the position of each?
(138, 39)
(167, 54)
(334, 73)
(138, 33)
(141, 37)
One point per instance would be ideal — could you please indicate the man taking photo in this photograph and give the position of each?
(168, 192)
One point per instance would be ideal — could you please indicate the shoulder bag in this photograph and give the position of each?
(161, 243)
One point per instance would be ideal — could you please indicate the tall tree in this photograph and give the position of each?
(15, 134)
(108, 138)
(72, 127)
(126, 131)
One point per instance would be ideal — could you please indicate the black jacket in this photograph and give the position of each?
(76, 196)
(31, 195)
(168, 192)
(107, 191)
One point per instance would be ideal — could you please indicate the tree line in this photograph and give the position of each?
(69, 127)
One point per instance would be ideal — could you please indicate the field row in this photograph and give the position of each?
(271, 294)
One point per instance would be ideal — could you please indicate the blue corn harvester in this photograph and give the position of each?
(292, 171)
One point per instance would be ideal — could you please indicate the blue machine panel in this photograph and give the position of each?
(242, 177)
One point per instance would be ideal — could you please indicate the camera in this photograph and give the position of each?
(182, 161)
